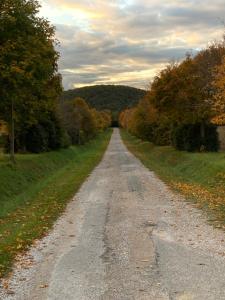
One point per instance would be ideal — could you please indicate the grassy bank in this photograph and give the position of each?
(198, 176)
(35, 192)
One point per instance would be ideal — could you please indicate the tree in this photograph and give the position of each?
(181, 102)
(78, 120)
(143, 119)
(102, 119)
(28, 65)
(126, 119)
(175, 92)
(115, 98)
(207, 62)
(219, 95)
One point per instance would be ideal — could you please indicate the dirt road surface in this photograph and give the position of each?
(124, 236)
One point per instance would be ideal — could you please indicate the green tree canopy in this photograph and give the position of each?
(29, 81)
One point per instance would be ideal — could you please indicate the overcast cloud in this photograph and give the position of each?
(128, 41)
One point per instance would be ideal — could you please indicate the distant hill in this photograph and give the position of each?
(113, 97)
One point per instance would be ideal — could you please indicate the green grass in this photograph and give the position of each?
(199, 176)
(35, 192)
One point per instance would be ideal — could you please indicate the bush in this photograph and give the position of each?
(48, 134)
(37, 139)
(211, 139)
(65, 140)
(162, 135)
(144, 131)
(2, 141)
(54, 131)
(188, 137)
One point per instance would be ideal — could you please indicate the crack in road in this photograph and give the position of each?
(125, 236)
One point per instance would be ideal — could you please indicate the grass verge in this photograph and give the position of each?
(35, 192)
(200, 177)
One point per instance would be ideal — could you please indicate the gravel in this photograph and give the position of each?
(125, 235)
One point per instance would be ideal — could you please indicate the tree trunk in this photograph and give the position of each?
(12, 135)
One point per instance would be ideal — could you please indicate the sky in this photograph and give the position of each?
(128, 41)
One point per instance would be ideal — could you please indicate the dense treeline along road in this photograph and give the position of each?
(111, 97)
(114, 98)
(125, 236)
(31, 87)
(185, 103)
(185, 110)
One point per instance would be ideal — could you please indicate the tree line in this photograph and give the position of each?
(115, 98)
(111, 97)
(30, 85)
(185, 101)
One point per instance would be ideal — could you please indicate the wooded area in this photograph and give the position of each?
(114, 98)
(184, 104)
(111, 97)
(30, 86)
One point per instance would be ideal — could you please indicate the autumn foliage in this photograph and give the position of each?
(30, 85)
(185, 97)
(82, 122)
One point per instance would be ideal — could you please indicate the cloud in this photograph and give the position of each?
(128, 41)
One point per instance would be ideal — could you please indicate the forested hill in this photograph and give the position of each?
(113, 97)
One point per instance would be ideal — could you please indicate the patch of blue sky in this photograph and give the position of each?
(125, 3)
(73, 18)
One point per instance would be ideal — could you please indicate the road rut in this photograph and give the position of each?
(124, 236)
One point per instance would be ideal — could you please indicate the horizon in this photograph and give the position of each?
(94, 85)
(137, 41)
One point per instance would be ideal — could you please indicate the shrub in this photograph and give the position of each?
(188, 137)
(46, 135)
(37, 139)
(211, 138)
(162, 135)
(3, 140)
(65, 140)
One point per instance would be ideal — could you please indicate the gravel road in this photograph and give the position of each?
(124, 236)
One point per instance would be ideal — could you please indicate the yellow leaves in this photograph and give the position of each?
(3, 127)
(19, 242)
(5, 284)
(102, 119)
(19, 246)
(191, 190)
(17, 69)
(26, 223)
(219, 96)
(126, 118)
(214, 201)
(219, 119)
(43, 286)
